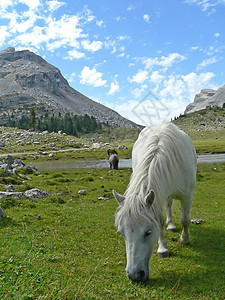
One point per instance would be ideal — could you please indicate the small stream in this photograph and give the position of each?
(103, 164)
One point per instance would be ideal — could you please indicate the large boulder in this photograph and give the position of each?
(36, 193)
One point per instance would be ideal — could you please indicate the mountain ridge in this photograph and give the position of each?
(26, 79)
(207, 98)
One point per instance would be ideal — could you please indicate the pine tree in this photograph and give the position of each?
(32, 118)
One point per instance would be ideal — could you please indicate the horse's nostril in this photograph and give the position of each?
(142, 275)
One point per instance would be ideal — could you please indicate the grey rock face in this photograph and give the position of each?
(11, 194)
(27, 80)
(10, 188)
(36, 193)
(205, 98)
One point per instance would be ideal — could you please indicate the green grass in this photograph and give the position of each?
(66, 246)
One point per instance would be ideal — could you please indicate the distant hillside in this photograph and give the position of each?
(206, 120)
(27, 80)
(206, 98)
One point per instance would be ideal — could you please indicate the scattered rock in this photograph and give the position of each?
(82, 192)
(9, 160)
(11, 166)
(121, 147)
(10, 188)
(36, 193)
(103, 198)
(96, 146)
(14, 195)
(197, 221)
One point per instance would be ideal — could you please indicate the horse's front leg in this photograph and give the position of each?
(185, 220)
(169, 221)
(162, 250)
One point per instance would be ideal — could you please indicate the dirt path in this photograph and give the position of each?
(36, 152)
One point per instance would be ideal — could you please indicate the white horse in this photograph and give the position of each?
(164, 167)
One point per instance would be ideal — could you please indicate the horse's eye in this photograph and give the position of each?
(147, 233)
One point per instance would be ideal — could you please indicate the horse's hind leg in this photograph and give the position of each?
(169, 221)
(185, 219)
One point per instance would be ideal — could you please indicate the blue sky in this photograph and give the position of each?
(145, 59)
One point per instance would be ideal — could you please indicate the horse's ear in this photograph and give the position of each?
(150, 198)
(119, 198)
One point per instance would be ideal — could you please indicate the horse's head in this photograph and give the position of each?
(140, 238)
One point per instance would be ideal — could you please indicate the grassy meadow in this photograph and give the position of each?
(66, 246)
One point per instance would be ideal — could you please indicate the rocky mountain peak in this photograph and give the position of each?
(8, 50)
(27, 80)
(206, 98)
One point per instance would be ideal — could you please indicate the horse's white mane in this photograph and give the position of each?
(165, 148)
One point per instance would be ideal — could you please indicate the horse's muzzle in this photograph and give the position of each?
(140, 276)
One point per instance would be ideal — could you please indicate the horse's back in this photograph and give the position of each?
(174, 149)
(168, 136)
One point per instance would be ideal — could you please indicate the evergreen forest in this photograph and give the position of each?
(70, 124)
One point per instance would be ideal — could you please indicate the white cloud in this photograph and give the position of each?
(74, 54)
(123, 37)
(28, 20)
(207, 6)
(99, 23)
(32, 39)
(66, 28)
(121, 55)
(130, 7)
(217, 34)
(194, 48)
(92, 46)
(195, 82)
(71, 77)
(140, 77)
(92, 77)
(173, 88)
(54, 5)
(33, 5)
(138, 92)
(53, 33)
(150, 111)
(163, 61)
(114, 87)
(156, 78)
(146, 18)
(87, 15)
(204, 4)
(174, 94)
(3, 34)
(207, 62)
(5, 3)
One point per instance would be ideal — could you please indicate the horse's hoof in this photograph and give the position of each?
(171, 229)
(183, 241)
(164, 254)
